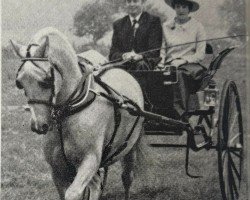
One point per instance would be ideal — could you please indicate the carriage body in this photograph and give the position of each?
(217, 112)
(158, 89)
(219, 119)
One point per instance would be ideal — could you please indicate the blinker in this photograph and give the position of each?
(47, 83)
(19, 85)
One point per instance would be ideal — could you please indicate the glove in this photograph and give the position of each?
(160, 67)
(132, 56)
(128, 56)
(137, 57)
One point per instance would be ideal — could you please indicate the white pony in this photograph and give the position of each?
(53, 81)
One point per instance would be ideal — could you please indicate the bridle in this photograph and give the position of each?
(50, 80)
(74, 104)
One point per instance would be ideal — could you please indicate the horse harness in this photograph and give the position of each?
(77, 103)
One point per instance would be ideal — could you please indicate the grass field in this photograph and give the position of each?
(26, 175)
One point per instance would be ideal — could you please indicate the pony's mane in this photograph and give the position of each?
(50, 31)
(61, 51)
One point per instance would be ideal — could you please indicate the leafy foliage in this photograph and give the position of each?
(95, 18)
(234, 15)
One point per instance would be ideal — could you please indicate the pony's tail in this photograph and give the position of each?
(148, 162)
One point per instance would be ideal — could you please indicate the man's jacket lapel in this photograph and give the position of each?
(127, 33)
(142, 21)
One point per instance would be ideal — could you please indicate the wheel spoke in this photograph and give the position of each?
(232, 105)
(234, 167)
(224, 156)
(233, 187)
(233, 122)
(230, 143)
(225, 172)
(236, 154)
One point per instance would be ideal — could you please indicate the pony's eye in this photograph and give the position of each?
(19, 85)
(44, 84)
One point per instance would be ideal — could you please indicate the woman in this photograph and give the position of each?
(182, 48)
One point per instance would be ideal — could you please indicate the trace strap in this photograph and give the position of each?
(117, 104)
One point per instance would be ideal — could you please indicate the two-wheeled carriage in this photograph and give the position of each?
(61, 100)
(217, 112)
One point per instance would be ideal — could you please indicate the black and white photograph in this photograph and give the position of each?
(125, 100)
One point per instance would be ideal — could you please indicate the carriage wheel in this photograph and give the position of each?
(230, 142)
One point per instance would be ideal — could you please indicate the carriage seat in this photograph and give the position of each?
(214, 65)
(197, 100)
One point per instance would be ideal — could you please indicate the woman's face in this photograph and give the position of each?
(182, 10)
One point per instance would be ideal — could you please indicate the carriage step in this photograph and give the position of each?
(173, 133)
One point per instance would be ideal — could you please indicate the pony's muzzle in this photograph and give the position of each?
(40, 129)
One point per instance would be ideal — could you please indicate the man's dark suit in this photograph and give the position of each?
(148, 36)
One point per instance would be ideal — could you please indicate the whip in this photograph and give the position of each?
(157, 49)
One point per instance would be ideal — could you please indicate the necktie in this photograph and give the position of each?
(134, 30)
(134, 26)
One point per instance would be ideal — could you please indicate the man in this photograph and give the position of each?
(134, 34)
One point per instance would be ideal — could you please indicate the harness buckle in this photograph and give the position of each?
(95, 92)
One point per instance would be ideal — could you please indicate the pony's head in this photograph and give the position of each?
(49, 74)
(36, 77)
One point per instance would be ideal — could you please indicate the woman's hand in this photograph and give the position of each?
(178, 62)
(160, 67)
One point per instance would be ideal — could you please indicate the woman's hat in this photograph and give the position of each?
(194, 5)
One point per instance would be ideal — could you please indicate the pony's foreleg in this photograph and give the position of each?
(128, 164)
(94, 188)
(86, 172)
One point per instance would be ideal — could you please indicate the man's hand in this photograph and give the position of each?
(128, 56)
(132, 56)
(178, 62)
(137, 57)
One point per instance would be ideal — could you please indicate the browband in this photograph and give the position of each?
(34, 59)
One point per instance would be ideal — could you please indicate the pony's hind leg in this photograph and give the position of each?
(128, 164)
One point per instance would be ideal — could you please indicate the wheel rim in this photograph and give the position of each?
(230, 142)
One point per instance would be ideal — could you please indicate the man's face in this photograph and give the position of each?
(134, 7)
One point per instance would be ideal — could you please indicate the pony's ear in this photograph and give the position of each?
(41, 50)
(19, 49)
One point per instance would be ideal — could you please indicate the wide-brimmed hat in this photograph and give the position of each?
(195, 5)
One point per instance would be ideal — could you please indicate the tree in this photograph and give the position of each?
(95, 18)
(234, 15)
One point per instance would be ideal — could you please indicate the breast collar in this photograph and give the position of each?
(81, 98)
